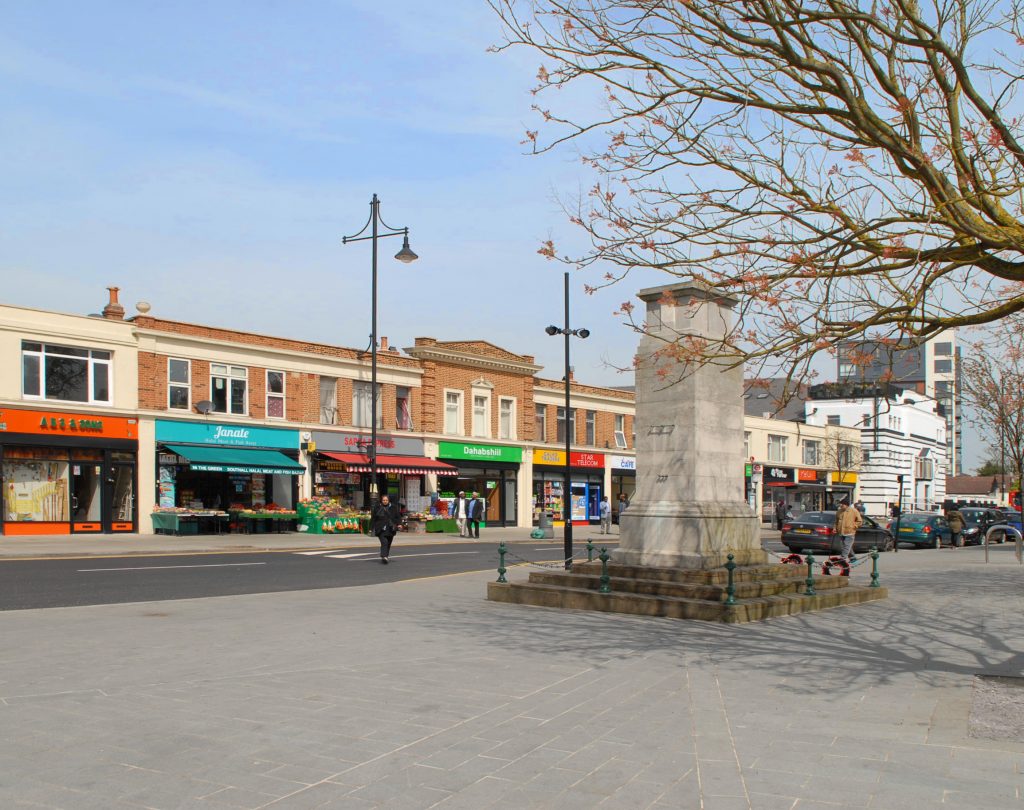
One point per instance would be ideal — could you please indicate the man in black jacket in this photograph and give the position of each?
(384, 523)
(476, 515)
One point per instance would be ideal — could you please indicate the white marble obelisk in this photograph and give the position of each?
(688, 510)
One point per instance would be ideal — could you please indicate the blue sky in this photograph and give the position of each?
(208, 157)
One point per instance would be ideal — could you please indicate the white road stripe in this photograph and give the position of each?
(347, 556)
(428, 554)
(312, 553)
(157, 567)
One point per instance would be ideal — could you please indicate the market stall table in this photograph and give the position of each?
(181, 523)
(264, 522)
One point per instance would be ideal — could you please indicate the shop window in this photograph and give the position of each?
(229, 386)
(453, 413)
(364, 403)
(328, 401)
(591, 427)
(403, 407)
(65, 373)
(275, 394)
(620, 430)
(561, 425)
(541, 418)
(35, 485)
(812, 452)
(179, 384)
(481, 415)
(778, 448)
(506, 418)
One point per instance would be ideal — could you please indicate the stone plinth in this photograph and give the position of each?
(689, 509)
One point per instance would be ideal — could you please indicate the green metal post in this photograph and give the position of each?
(590, 551)
(809, 590)
(501, 562)
(605, 579)
(730, 588)
(874, 568)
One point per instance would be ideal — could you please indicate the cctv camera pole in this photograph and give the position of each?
(567, 501)
(899, 514)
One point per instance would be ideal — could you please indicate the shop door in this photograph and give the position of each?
(593, 502)
(509, 504)
(86, 496)
(120, 514)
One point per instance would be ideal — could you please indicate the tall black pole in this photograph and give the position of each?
(567, 500)
(374, 213)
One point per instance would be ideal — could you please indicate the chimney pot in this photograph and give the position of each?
(113, 310)
(383, 343)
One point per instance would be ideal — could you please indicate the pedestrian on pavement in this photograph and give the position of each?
(384, 524)
(781, 513)
(859, 506)
(606, 516)
(460, 511)
(476, 515)
(623, 503)
(848, 520)
(956, 528)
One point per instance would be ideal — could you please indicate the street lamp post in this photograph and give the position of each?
(406, 256)
(567, 482)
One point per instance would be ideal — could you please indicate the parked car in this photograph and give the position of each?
(1012, 517)
(814, 531)
(981, 522)
(919, 529)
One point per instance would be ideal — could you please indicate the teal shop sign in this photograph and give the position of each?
(479, 452)
(211, 433)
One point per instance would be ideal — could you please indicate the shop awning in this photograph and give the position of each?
(237, 459)
(410, 465)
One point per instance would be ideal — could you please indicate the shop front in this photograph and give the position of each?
(586, 474)
(67, 473)
(342, 470)
(489, 469)
(777, 484)
(843, 486)
(210, 466)
(623, 469)
(812, 492)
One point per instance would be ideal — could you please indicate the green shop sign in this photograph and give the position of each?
(479, 452)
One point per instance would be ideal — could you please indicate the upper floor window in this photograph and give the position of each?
(65, 373)
(541, 416)
(365, 405)
(561, 425)
(943, 366)
(778, 447)
(228, 388)
(275, 394)
(179, 384)
(403, 407)
(620, 430)
(328, 401)
(833, 419)
(812, 452)
(845, 456)
(746, 444)
(591, 426)
(506, 418)
(453, 413)
(944, 348)
(481, 415)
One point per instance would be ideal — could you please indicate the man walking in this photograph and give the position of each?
(606, 516)
(476, 515)
(385, 520)
(848, 520)
(460, 511)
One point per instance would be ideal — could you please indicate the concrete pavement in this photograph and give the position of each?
(422, 694)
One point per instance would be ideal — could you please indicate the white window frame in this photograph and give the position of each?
(507, 432)
(481, 430)
(567, 419)
(281, 396)
(540, 421)
(408, 398)
(376, 404)
(186, 385)
(229, 375)
(620, 431)
(91, 363)
(590, 428)
(328, 413)
(778, 450)
(812, 452)
(460, 420)
(746, 445)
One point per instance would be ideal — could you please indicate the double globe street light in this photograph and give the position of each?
(567, 481)
(405, 255)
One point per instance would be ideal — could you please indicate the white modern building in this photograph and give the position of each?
(903, 433)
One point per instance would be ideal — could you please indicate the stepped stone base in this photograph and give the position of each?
(761, 591)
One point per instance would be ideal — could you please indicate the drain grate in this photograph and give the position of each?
(997, 708)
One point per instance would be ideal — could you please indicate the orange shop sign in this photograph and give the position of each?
(58, 423)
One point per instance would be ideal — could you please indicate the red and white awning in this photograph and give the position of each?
(407, 465)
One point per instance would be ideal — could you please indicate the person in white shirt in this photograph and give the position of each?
(460, 511)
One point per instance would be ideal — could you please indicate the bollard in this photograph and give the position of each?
(501, 562)
(809, 590)
(874, 568)
(605, 579)
(730, 588)
(590, 551)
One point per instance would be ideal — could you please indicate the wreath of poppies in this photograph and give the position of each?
(835, 562)
(792, 559)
